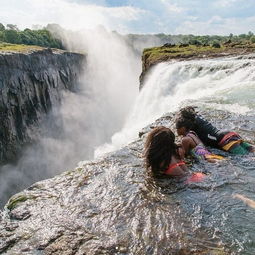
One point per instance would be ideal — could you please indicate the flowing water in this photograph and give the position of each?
(225, 84)
(223, 90)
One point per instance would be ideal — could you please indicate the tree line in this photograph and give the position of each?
(41, 37)
(203, 40)
(45, 37)
(210, 39)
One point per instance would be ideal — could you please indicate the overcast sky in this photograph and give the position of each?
(220, 17)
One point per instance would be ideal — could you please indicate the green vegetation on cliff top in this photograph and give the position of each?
(22, 48)
(186, 51)
(178, 51)
(8, 47)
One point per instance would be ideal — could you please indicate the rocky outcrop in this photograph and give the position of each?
(112, 206)
(30, 84)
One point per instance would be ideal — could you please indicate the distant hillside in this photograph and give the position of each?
(139, 42)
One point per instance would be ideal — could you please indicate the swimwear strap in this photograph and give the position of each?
(227, 136)
(172, 166)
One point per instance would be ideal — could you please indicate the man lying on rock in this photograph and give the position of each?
(164, 156)
(211, 136)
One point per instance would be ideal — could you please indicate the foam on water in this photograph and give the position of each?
(226, 84)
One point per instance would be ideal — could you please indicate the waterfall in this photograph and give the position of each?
(225, 83)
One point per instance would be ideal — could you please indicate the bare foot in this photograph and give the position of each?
(211, 160)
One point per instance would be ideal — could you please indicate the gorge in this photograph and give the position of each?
(31, 83)
(110, 205)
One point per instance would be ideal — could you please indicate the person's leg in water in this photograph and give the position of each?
(242, 148)
(249, 147)
(246, 200)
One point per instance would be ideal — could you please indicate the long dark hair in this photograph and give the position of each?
(159, 148)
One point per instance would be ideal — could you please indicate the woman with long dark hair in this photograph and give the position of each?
(164, 156)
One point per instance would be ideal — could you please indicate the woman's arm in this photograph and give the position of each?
(181, 152)
(186, 145)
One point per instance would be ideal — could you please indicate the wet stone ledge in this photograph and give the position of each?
(112, 206)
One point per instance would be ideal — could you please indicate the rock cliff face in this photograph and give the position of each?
(30, 84)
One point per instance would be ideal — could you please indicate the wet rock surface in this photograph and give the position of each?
(112, 206)
(30, 84)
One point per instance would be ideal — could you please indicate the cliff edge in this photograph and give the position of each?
(31, 79)
(168, 52)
